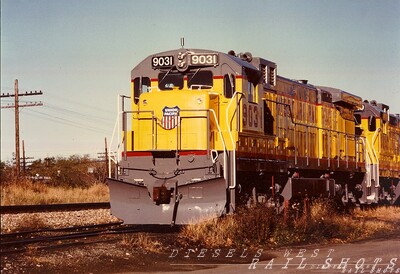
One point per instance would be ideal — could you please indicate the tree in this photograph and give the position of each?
(5, 172)
(69, 172)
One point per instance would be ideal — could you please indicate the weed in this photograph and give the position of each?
(143, 241)
(260, 226)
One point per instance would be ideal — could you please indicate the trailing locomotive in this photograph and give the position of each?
(209, 131)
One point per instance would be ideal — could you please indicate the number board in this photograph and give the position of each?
(204, 59)
(162, 61)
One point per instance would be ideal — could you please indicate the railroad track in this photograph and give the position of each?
(52, 238)
(48, 239)
(20, 242)
(52, 207)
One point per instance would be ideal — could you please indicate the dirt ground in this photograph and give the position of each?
(139, 252)
(117, 255)
(133, 253)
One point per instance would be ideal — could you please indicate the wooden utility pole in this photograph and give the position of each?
(16, 107)
(23, 158)
(103, 156)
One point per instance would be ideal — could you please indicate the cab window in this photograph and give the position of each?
(253, 79)
(357, 119)
(140, 85)
(229, 85)
(169, 81)
(250, 89)
(200, 80)
(371, 123)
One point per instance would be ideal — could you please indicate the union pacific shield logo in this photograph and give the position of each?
(170, 118)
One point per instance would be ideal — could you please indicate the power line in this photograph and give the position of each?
(77, 113)
(64, 121)
(76, 103)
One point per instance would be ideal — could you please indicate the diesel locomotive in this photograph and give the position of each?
(206, 132)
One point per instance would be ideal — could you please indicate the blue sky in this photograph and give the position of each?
(80, 53)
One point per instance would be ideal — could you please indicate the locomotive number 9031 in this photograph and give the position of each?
(204, 59)
(162, 61)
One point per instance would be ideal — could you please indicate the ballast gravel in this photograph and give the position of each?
(29, 221)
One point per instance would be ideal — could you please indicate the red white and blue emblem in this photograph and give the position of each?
(170, 117)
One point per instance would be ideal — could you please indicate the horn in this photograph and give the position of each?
(249, 56)
(246, 56)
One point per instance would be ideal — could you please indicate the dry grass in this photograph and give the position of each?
(211, 233)
(391, 214)
(143, 241)
(259, 226)
(26, 192)
(245, 228)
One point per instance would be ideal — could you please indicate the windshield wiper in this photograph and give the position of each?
(194, 74)
(159, 82)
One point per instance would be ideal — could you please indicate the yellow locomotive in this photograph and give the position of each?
(208, 131)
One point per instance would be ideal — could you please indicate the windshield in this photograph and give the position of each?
(195, 80)
(168, 81)
(200, 79)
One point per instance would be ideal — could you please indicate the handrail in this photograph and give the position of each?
(231, 137)
(367, 163)
(223, 142)
(154, 118)
(113, 158)
(117, 127)
(376, 156)
(328, 132)
(219, 129)
(179, 132)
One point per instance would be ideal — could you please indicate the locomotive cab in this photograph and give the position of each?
(382, 137)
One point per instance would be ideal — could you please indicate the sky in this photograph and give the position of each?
(79, 53)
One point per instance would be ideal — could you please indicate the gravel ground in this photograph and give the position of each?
(126, 253)
(28, 221)
(118, 252)
(135, 252)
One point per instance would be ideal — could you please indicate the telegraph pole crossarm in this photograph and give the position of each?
(5, 95)
(28, 104)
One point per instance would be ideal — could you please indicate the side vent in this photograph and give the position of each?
(264, 70)
(268, 72)
(272, 76)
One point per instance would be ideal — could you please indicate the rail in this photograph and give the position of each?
(14, 209)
